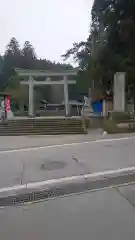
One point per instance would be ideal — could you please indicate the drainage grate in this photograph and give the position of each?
(65, 189)
(40, 195)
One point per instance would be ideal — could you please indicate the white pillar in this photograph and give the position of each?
(104, 111)
(119, 92)
(66, 100)
(31, 102)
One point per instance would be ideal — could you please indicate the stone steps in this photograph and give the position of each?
(40, 124)
(41, 127)
(19, 133)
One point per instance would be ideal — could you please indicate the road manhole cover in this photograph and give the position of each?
(53, 165)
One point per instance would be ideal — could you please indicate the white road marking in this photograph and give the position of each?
(13, 188)
(66, 145)
(49, 183)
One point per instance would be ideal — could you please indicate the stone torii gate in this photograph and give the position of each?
(47, 74)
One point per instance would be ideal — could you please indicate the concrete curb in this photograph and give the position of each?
(64, 186)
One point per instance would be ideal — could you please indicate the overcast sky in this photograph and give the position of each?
(50, 25)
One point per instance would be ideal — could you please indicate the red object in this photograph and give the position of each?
(7, 103)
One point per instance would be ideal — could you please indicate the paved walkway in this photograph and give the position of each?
(13, 142)
(17, 142)
(104, 215)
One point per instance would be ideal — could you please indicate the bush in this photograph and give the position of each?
(119, 116)
(110, 126)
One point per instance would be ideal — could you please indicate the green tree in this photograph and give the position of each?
(2, 79)
(29, 56)
(28, 50)
(110, 45)
(17, 90)
(13, 48)
(12, 59)
(118, 32)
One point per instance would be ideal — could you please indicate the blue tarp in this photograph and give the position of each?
(97, 107)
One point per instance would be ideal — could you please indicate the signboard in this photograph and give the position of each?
(7, 103)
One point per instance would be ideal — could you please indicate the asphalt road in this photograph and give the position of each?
(100, 215)
(61, 161)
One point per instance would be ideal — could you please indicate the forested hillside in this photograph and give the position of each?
(25, 58)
